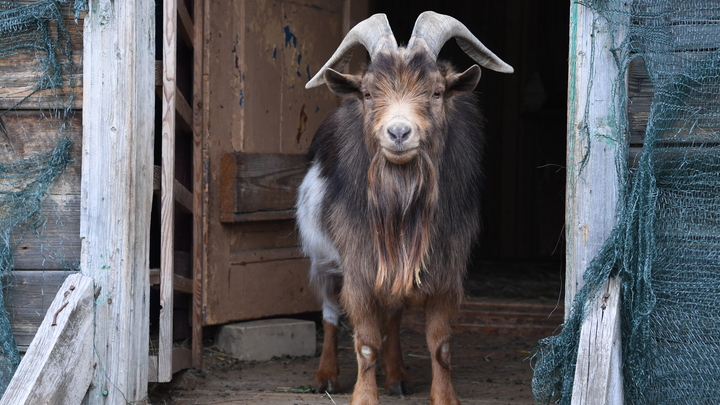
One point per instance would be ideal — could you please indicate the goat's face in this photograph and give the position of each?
(404, 96)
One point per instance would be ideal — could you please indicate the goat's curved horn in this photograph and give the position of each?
(373, 33)
(433, 30)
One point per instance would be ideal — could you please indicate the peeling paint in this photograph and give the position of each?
(299, 58)
(308, 72)
(274, 53)
(317, 109)
(299, 74)
(289, 37)
(242, 98)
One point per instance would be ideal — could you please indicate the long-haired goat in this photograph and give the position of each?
(389, 208)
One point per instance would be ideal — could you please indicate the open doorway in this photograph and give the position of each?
(521, 250)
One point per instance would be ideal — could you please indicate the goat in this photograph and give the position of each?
(389, 208)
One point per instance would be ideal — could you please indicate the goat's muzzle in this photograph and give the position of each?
(399, 141)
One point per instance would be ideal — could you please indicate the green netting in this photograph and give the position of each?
(666, 245)
(34, 32)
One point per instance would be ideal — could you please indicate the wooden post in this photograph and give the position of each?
(116, 192)
(57, 367)
(594, 136)
(167, 205)
(200, 86)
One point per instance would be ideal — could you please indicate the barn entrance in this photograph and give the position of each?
(260, 122)
(233, 122)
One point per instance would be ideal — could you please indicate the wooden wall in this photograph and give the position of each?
(44, 258)
(261, 121)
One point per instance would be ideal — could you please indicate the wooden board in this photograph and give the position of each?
(269, 288)
(594, 137)
(273, 48)
(598, 376)
(20, 72)
(252, 183)
(57, 367)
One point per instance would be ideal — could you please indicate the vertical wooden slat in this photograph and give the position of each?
(116, 192)
(594, 136)
(198, 183)
(167, 205)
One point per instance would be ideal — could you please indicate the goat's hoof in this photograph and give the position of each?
(399, 387)
(325, 385)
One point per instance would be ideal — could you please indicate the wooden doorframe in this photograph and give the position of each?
(116, 192)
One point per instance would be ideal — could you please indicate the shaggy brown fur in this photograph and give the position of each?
(402, 215)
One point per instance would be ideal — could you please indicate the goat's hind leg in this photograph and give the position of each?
(326, 377)
(397, 380)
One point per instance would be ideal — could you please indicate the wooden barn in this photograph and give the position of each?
(189, 130)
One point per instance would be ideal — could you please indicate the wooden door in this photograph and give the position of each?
(261, 121)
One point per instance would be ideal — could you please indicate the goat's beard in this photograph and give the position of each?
(402, 202)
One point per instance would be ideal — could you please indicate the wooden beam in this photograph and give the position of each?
(180, 283)
(594, 136)
(116, 192)
(58, 366)
(251, 183)
(186, 28)
(598, 380)
(167, 203)
(183, 197)
(201, 105)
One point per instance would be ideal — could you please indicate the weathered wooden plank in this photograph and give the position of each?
(28, 132)
(119, 43)
(20, 74)
(183, 197)
(28, 295)
(598, 377)
(200, 167)
(594, 137)
(58, 368)
(269, 288)
(170, 103)
(185, 26)
(265, 255)
(56, 244)
(228, 217)
(260, 182)
(640, 94)
(303, 110)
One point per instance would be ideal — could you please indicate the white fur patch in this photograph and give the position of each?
(316, 244)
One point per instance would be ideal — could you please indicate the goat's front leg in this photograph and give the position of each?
(368, 341)
(438, 313)
(397, 380)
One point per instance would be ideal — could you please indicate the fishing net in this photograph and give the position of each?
(36, 100)
(666, 245)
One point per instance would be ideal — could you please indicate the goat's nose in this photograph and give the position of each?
(399, 132)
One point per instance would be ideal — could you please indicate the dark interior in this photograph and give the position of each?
(523, 203)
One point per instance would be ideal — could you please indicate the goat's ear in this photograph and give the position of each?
(464, 82)
(341, 84)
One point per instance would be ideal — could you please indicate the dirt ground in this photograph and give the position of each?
(488, 368)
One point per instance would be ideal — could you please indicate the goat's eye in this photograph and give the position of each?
(368, 96)
(436, 94)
